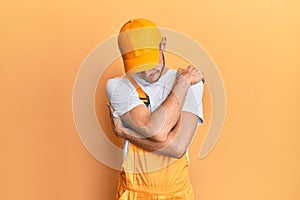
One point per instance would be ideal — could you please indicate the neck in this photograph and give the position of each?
(164, 70)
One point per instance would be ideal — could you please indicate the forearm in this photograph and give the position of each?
(167, 115)
(160, 122)
(174, 146)
(162, 148)
(177, 140)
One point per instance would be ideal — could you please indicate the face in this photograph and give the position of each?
(154, 74)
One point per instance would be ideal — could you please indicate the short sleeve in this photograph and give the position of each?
(122, 95)
(193, 101)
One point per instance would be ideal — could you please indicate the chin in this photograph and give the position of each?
(150, 81)
(153, 80)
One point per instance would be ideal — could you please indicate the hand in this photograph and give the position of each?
(116, 122)
(191, 74)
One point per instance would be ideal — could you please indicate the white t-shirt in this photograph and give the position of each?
(124, 97)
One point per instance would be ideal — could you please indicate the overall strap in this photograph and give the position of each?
(142, 95)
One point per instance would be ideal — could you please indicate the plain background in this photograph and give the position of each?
(255, 45)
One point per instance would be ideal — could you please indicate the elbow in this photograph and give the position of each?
(160, 137)
(157, 135)
(178, 154)
(178, 151)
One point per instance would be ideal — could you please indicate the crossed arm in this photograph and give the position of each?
(167, 130)
(158, 124)
(176, 142)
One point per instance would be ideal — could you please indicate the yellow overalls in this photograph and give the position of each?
(149, 176)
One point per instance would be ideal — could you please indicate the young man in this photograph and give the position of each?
(156, 110)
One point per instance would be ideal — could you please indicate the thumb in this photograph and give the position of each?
(179, 70)
(110, 108)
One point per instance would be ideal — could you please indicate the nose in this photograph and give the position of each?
(149, 72)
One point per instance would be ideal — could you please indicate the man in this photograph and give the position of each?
(156, 110)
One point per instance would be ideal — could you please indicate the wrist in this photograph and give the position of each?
(126, 133)
(183, 81)
(180, 89)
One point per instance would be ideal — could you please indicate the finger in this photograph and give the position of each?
(179, 70)
(110, 108)
(190, 67)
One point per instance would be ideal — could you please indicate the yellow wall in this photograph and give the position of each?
(255, 45)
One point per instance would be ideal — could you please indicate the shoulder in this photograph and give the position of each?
(194, 94)
(118, 85)
(193, 101)
(118, 82)
(198, 87)
(122, 95)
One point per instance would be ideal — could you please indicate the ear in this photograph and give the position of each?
(163, 44)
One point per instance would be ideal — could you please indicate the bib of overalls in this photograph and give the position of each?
(147, 176)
